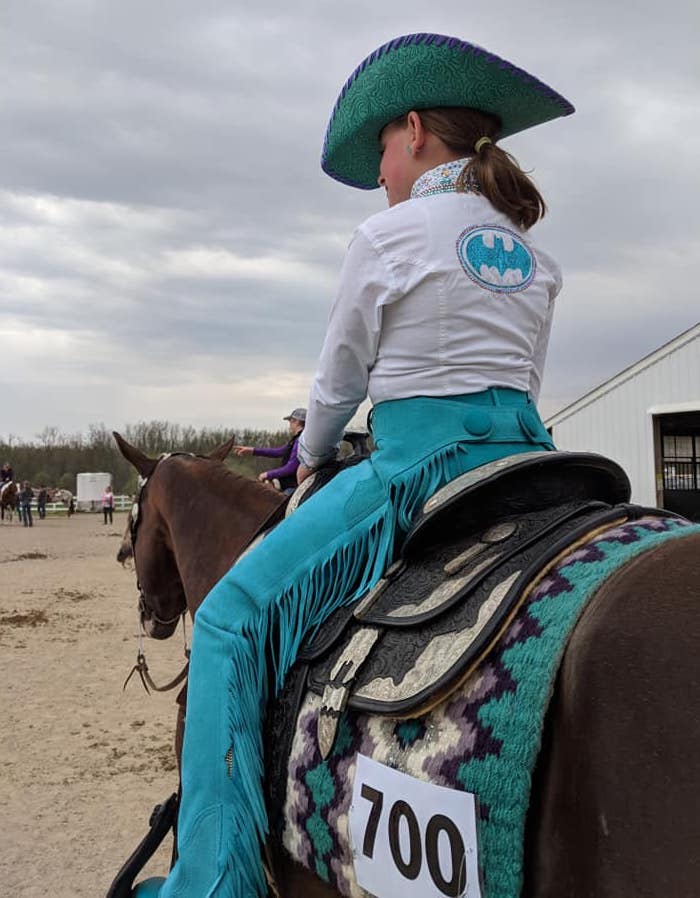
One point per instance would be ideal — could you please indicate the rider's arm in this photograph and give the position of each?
(287, 469)
(269, 451)
(349, 350)
(539, 355)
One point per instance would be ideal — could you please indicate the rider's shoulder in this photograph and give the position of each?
(392, 217)
(390, 227)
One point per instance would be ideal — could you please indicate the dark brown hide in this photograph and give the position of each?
(614, 811)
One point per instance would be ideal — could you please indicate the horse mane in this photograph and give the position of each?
(223, 484)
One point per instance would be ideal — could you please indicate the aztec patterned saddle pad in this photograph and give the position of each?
(445, 669)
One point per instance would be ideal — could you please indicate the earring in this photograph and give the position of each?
(409, 151)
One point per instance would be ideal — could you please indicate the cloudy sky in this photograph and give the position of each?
(170, 247)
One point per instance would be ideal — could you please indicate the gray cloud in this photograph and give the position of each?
(169, 246)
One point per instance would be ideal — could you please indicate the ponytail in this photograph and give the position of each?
(490, 170)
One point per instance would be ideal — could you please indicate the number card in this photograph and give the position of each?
(412, 839)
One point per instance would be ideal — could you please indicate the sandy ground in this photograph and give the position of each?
(81, 762)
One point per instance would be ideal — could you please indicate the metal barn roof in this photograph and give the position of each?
(663, 352)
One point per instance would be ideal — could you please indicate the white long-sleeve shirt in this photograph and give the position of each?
(440, 295)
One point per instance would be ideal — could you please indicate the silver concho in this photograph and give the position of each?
(500, 532)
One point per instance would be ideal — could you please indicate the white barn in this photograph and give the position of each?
(647, 418)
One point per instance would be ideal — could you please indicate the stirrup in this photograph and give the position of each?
(161, 821)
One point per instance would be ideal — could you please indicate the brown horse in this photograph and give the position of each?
(166, 526)
(617, 783)
(8, 501)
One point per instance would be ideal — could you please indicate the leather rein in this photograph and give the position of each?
(141, 666)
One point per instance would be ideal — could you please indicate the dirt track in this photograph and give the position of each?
(81, 762)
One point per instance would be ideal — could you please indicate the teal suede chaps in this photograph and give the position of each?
(249, 628)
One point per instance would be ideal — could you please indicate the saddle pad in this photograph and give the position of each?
(484, 739)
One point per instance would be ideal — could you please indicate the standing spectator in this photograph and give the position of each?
(25, 498)
(108, 504)
(41, 499)
(284, 477)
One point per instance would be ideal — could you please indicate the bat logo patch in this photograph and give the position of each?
(496, 259)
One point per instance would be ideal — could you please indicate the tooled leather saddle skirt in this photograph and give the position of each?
(480, 546)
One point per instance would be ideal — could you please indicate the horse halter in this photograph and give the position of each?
(141, 666)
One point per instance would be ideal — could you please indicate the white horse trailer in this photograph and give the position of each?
(89, 490)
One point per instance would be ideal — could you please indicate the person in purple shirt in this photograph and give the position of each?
(284, 477)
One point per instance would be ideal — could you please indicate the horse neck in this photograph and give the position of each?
(211, 515)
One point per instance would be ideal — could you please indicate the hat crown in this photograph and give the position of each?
(421, 71)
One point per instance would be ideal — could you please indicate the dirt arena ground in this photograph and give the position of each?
(81, 762)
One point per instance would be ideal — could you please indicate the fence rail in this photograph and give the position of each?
(121, 503)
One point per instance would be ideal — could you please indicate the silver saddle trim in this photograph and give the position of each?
(443, 594)
(440, 655)
(337, 692)
(483, 472)
(297, 496)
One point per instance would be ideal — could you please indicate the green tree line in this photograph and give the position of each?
(54, 459)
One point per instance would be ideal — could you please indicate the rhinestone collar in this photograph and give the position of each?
(441, 179)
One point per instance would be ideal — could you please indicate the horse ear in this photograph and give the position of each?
(223, 450)
(143, 464)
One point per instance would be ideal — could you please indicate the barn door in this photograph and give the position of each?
(680, 463)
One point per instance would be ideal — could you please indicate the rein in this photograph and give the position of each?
(141, 666)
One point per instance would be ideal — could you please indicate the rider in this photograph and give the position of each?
(442, 316)
(6, 476)
(285, 476)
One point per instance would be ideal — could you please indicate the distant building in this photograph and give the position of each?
(647, 418)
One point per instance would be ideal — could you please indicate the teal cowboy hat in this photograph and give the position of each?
(424, 71)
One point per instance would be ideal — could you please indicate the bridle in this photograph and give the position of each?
(141, 666)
